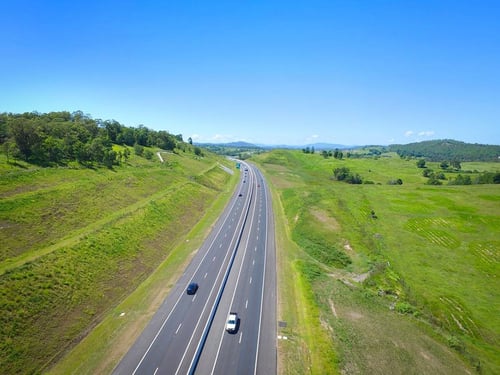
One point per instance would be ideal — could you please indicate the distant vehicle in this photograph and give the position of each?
(246, 169)
(192, 288)
(240, 195)
(232, 322)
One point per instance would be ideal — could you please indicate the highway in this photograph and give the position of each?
(236, 271)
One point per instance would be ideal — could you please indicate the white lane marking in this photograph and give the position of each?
(246, 304)
(261, 296)
(257, 238)
(241, 335)
(246, 247)
(220, 246)
(253, 262)
(250, 279)
(255, 248)
(228, 254)
(226, 217)
(156, 371)
(178, 328)
(205, 275)
(194, 297)
(213, 259)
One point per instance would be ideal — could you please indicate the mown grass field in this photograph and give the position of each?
(414, 290)
(76, 242)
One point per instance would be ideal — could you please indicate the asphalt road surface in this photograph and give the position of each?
(236, 271)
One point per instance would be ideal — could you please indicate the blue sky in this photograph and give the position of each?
(273, 72)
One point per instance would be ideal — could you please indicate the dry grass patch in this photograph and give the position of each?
(328, 222)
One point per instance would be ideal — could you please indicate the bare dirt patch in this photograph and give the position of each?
(329, 222)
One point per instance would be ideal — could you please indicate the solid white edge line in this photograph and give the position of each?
(263, 287)
(182, 293)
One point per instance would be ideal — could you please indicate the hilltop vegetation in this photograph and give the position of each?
(76, 241)
(58, 138)
(447, 149)
(385, 278)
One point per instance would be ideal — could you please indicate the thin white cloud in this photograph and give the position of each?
(312, 138)
(427, 133)
(409, 133)
(216, 138)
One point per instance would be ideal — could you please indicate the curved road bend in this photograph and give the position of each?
(235, 269)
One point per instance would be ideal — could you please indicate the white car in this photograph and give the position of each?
(232, 322)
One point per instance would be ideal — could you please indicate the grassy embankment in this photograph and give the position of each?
(414, 290)
(76, 242)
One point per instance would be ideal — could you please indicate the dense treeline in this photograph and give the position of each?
(446, 149)
(60, 137)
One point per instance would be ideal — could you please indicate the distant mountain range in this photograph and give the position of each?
(316, 146)
(434, 150)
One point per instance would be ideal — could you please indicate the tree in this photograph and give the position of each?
(444, 165)
(53, 149)
(26, 136)
(199, 152)
(433, 180)
(427, 172)
(138, 149)
(109, 158)
(456, 164)
(190, 140)
(341, 173)
(126, 153)
(421, 163)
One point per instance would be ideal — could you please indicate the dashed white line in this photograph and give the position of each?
(205, 275)
(253, 262)
(250, 280)
(156, 371)
(213, 259)
(241, 334)
(178, 328)
(246, 304)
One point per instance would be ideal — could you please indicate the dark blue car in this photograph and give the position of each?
(192, 288)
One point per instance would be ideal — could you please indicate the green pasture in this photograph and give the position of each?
(422, 259)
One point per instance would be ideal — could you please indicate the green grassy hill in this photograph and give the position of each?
(385, 278)
(77, 241)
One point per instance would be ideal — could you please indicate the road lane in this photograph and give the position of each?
(159, 347)
(244, 294)
(242, 242)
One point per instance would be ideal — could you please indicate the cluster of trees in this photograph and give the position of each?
(447, 149)
(60, 137)
(437, 178)
(337, 154)
(344, 174)
(483, 178)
